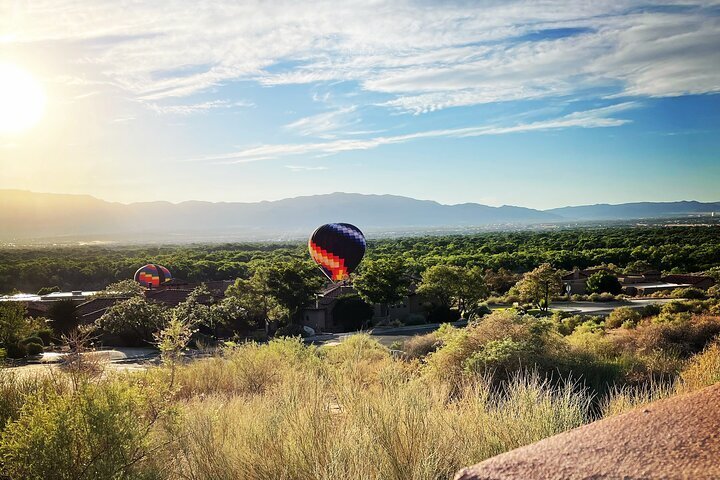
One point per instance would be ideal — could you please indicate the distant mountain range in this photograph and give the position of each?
(29, 215)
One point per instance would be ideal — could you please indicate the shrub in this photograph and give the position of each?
(680, 334)
(690, 293)
(499, 357)
(45, 334)
(16, 350)
(63, 316)
(46, 290)
(291, 330)
(34, 349)
(535, 335)
(420, 346)
(622, 315)
(134, 321)
(567, 325)
(100, 431)
(33, 339)
(650, 310)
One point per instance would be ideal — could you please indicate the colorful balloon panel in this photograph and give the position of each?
(338, 249)
(152, 275)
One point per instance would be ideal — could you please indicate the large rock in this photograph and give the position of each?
(674, 438)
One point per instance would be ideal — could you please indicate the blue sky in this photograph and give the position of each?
(539, 104)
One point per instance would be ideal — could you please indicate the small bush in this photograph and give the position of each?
(45, 334)
(100, 431)
(34, 349)
(621, 316)
(690, 293)
(16, 350)
(420, 346)
(567, 325)
(37, 340)
(650, 310)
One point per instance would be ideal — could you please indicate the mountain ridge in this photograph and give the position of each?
(26, 214)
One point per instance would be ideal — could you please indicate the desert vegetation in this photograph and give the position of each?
(284, 409)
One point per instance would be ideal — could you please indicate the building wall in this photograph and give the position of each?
(316, 319)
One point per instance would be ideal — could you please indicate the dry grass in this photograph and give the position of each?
(702, 370)
(312, 426)
(287, 411)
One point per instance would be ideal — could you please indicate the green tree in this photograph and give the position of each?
(500, 281)
(14, 326)
(539, 284)
(135, 320)
(292, 284)
(196, 310)
(452, 286)
(383, 281)
(121, 289)
(277, 291)
(604, 282)
(249, 301)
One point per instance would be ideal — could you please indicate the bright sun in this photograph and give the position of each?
(22, 99)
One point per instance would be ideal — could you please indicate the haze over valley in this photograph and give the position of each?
(26, 216)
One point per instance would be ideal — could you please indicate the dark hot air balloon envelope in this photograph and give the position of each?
(152, 275)
(338, 249)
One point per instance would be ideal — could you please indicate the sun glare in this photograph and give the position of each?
(22, 99)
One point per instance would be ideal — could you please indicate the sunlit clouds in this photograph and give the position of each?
(217, 97)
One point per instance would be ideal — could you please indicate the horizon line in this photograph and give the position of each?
(355, 193)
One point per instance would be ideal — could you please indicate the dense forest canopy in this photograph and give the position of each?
(676, 249)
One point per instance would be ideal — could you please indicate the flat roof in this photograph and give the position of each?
(31, 297)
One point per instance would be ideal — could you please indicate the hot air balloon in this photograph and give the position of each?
(338, 249)
(152, 275)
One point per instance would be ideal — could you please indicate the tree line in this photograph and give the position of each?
(676, 249)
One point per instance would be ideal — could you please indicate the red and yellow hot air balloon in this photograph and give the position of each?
(337, 248)
(152, 275)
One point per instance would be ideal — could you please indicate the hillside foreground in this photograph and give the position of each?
(672, 438)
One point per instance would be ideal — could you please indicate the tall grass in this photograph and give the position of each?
(284, 410)
(313, 426)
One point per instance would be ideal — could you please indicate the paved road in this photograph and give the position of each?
(387, 336)
(604, 308)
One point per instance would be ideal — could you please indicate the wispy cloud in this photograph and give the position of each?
(326, 124)
(424, 56)
(187, 109)
(595, 118)
(305, 168)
